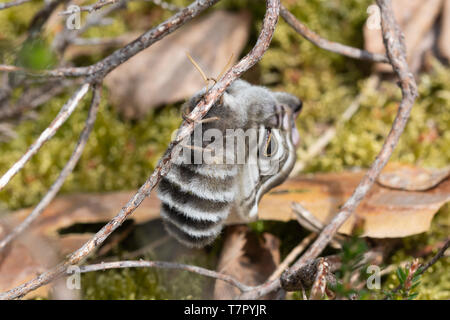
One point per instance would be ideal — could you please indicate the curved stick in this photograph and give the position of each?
(165, 265)
(325, 44)
(68, 168)
(47, 134)
(103, 67)
(393, 41)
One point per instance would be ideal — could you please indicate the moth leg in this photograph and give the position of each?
(197, 148)
(185, 110)
(186, 117)
(207, 120)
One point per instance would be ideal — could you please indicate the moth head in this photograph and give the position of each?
(258, 107)
(246, 106)
(273, 114)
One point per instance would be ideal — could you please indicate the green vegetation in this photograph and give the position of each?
(121, 154)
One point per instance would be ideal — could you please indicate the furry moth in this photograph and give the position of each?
(230, 162)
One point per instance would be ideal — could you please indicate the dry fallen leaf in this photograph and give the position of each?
(444, 38)
(406, 177)
(416, 19)
(25, 258)
(163, 74)
(65, 211)
(247, 258)
(41, 246)
(386, 213)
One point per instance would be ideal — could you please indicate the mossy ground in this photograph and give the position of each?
(121, 154)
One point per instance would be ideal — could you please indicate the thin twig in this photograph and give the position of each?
(68, 168)
(99, 41)
(35, 97)
(262, 44)
(292, 256)
(320, 144)
(66, 37)
(329, 45)
(138, 252)
(393, 40)
(308, 221)
(48, 133)
(101, 3)
(10, 4)
(8, 68)
(320, 282)
(165, 265)
(90, 8)
(102, 68)
(394, 43)
(423, 268)
(438, 255)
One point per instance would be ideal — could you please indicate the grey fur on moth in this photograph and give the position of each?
(198, 197)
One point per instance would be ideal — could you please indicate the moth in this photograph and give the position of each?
(245, 147)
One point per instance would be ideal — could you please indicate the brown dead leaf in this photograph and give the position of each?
(25, 258)
(163, 74)
(444, 37)
(416, 19)
(411, 178)
(65, 211)
(386, 213)
(247, 258)
(42, 247)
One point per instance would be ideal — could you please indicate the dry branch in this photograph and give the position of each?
(329, 45)
(90, 8)
(66, 37)
(322, 142)
(47, 134)
(102, 68)
(393, 40)
(68, 168)
(10, 4)
(394, 43)
(262, 44)
(35, 97)
(292, 256)
(438, 255)
(425, 267)
(165, 265)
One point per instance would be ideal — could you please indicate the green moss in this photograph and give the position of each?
(148, 283)
(435, 282)
(119, 155)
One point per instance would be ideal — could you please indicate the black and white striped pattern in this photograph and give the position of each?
(197, 198)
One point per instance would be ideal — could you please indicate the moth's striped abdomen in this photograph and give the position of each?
(196, 199)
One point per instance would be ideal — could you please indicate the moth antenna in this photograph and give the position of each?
(185, 116)
(225, 68)
(205, 78)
